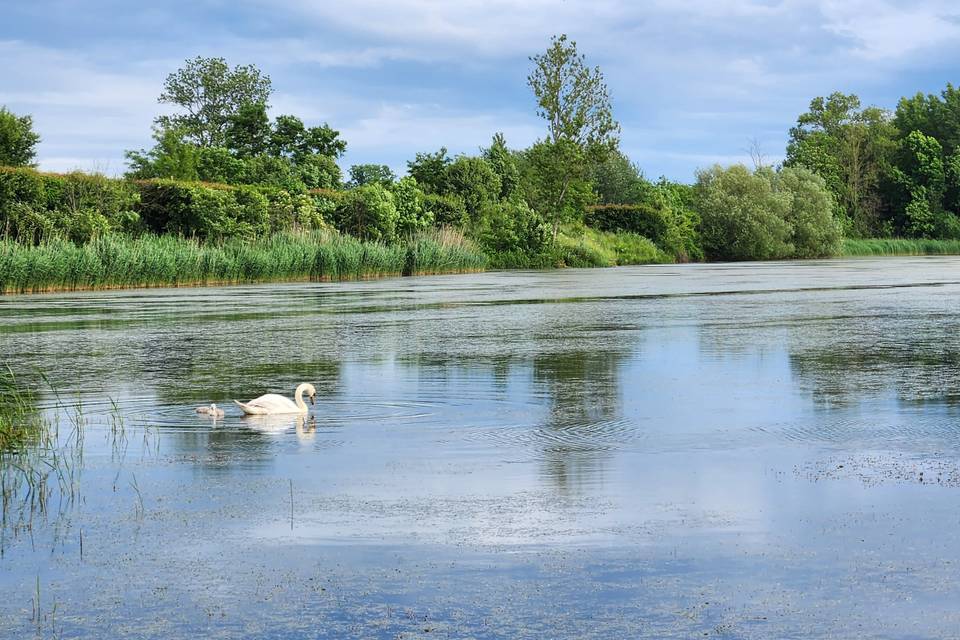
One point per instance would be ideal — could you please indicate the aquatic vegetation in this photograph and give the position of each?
(119, 261)
(18, 418)
(899, 247)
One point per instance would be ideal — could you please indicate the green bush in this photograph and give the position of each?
(742, 218)
(411, 214)
(203, 210)
(367, 212)
(79, 206)
(765, 214)
(815, 230)
(446, 210)
(507, 227)
(647, 220)
(475, 181)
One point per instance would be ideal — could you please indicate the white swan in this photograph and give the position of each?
(212, 411)
(273, 403)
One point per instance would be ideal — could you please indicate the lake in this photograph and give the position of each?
(762, 450)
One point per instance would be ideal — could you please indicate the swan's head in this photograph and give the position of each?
(312, 393)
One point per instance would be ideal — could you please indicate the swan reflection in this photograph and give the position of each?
(305, 427)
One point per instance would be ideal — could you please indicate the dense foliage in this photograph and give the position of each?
(890, 173)
(223, 172)
(765, 214)
(18, 140)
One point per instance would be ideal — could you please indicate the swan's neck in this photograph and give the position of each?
(298, 398)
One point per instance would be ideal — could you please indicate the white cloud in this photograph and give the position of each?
(691, 81)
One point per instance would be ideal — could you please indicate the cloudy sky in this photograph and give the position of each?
(692, 82)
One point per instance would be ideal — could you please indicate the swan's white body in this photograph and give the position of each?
(271, 403)
(213, 411)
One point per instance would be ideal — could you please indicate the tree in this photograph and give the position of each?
(742, 217)
(814, 229)
(368, 212)
(292, 139)
(473, 180)
(363, 174)
(210, 92)
(430, 170)
(18, 141)
(932, 115)
(411, 214)
(248, 131)
(504, 164)
(556, 181)
(575, 102)
(619, 181)
(573, 98)
(850, 148)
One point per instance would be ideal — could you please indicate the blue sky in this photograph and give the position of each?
(692, 82)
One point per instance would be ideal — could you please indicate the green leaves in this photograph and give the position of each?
(18, 141)
(573, 98)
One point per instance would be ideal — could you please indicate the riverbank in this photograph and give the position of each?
(858, 247)
(113, 262)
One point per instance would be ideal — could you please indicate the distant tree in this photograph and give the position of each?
(363, 174)
(617, 180)
(475, 181)
(504, 164)
(556, 183)
(742, 217)
(573, 98)
(430, 170)
(18, 141)
(210, 92)
(765, 214)
(248, 130)
(170, 157)
(575, 102)
(411, 214)
(292, 139)
(936, 116)
(814, 229)
(850, 148)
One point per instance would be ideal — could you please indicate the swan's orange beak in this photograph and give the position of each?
(313, 399)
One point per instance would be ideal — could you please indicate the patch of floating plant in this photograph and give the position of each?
(879, 468)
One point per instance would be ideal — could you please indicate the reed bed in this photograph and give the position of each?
(148, 261)
(899, 247)
(18, 418)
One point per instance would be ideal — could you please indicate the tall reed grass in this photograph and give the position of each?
(899, 247)
(18, 417)
(119, 261)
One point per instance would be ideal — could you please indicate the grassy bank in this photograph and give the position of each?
(579, 246)
(899, 247)
(119, 261)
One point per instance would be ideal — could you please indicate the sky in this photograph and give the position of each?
(692, 83)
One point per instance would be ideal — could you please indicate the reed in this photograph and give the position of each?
(18, 417)
(119, 261)
(899, 247)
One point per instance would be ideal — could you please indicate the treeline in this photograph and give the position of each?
(221, 170)
(891, 173)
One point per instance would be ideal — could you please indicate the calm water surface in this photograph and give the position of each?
(737, 451)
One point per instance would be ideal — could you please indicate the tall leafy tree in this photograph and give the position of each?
(18, 140)
(850, 148)
(364, 174)
(574, 100)
(617, 180)
(292, 139)
(504, 164)
(209, 92)
(248, 131)
(430, 170)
